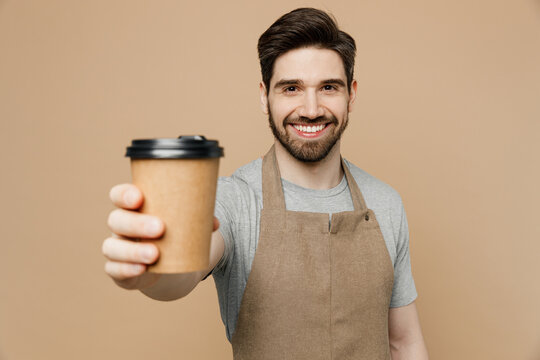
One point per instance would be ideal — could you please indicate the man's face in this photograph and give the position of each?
(308, 102)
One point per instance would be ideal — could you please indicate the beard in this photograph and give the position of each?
(309, 150)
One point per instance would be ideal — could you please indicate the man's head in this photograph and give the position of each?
(304, 27)
(307, 68)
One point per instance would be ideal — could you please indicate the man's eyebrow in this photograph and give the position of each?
(284, 82)
(334, 82)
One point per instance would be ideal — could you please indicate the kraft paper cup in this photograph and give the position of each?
(178, 178)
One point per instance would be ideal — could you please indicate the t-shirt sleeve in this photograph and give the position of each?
(224, 213)
(404, 291)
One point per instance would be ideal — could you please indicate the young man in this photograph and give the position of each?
(311, 260)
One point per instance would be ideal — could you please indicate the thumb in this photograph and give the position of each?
(216, 224)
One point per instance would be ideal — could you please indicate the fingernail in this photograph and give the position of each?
(130, 197)
(137, 269)
(149, 254)
(153, 227)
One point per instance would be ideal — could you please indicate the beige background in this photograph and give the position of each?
(448, 113)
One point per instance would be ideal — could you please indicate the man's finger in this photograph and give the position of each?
(126, 196)
(122, 271)
(128, 251)
(135, 225)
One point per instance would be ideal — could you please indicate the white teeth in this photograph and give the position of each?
(309, 129)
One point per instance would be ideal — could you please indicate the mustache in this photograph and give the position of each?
(302, 120)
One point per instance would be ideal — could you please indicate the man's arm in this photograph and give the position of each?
(405, 334)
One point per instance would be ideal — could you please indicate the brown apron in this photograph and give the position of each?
(315, 291)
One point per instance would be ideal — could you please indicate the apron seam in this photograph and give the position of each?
(329, 235)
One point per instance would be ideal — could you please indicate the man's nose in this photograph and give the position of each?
(311, 107)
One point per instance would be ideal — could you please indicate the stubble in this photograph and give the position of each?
(309, 150)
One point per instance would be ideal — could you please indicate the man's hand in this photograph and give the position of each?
(127, 258)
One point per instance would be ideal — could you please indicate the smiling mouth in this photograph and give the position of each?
(310, 131)
(309, 128)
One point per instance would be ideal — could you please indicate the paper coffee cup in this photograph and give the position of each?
(178, 178)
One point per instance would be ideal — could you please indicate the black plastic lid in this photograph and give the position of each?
(184, 147)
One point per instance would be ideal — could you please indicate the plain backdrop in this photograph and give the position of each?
(448, 113)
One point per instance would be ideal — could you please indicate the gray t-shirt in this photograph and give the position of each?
(238, 208)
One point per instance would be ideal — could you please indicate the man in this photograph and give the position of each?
(311, 260)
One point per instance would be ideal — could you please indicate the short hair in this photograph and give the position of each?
(304, 27)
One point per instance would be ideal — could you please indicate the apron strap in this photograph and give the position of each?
(356, 194)
(272, 190)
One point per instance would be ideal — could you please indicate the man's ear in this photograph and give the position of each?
(264, 98)
(352, 94)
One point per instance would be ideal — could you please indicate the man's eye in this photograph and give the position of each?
(290, 89)
(329, 87)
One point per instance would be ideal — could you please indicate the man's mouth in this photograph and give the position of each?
(309, 128)
(309, 131)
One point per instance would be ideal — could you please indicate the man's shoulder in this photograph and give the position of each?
(373, 189)
(250, 173)
(245, 181)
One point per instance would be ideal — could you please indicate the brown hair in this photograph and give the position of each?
(304, 27)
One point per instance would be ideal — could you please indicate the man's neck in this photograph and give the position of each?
(324, 174)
